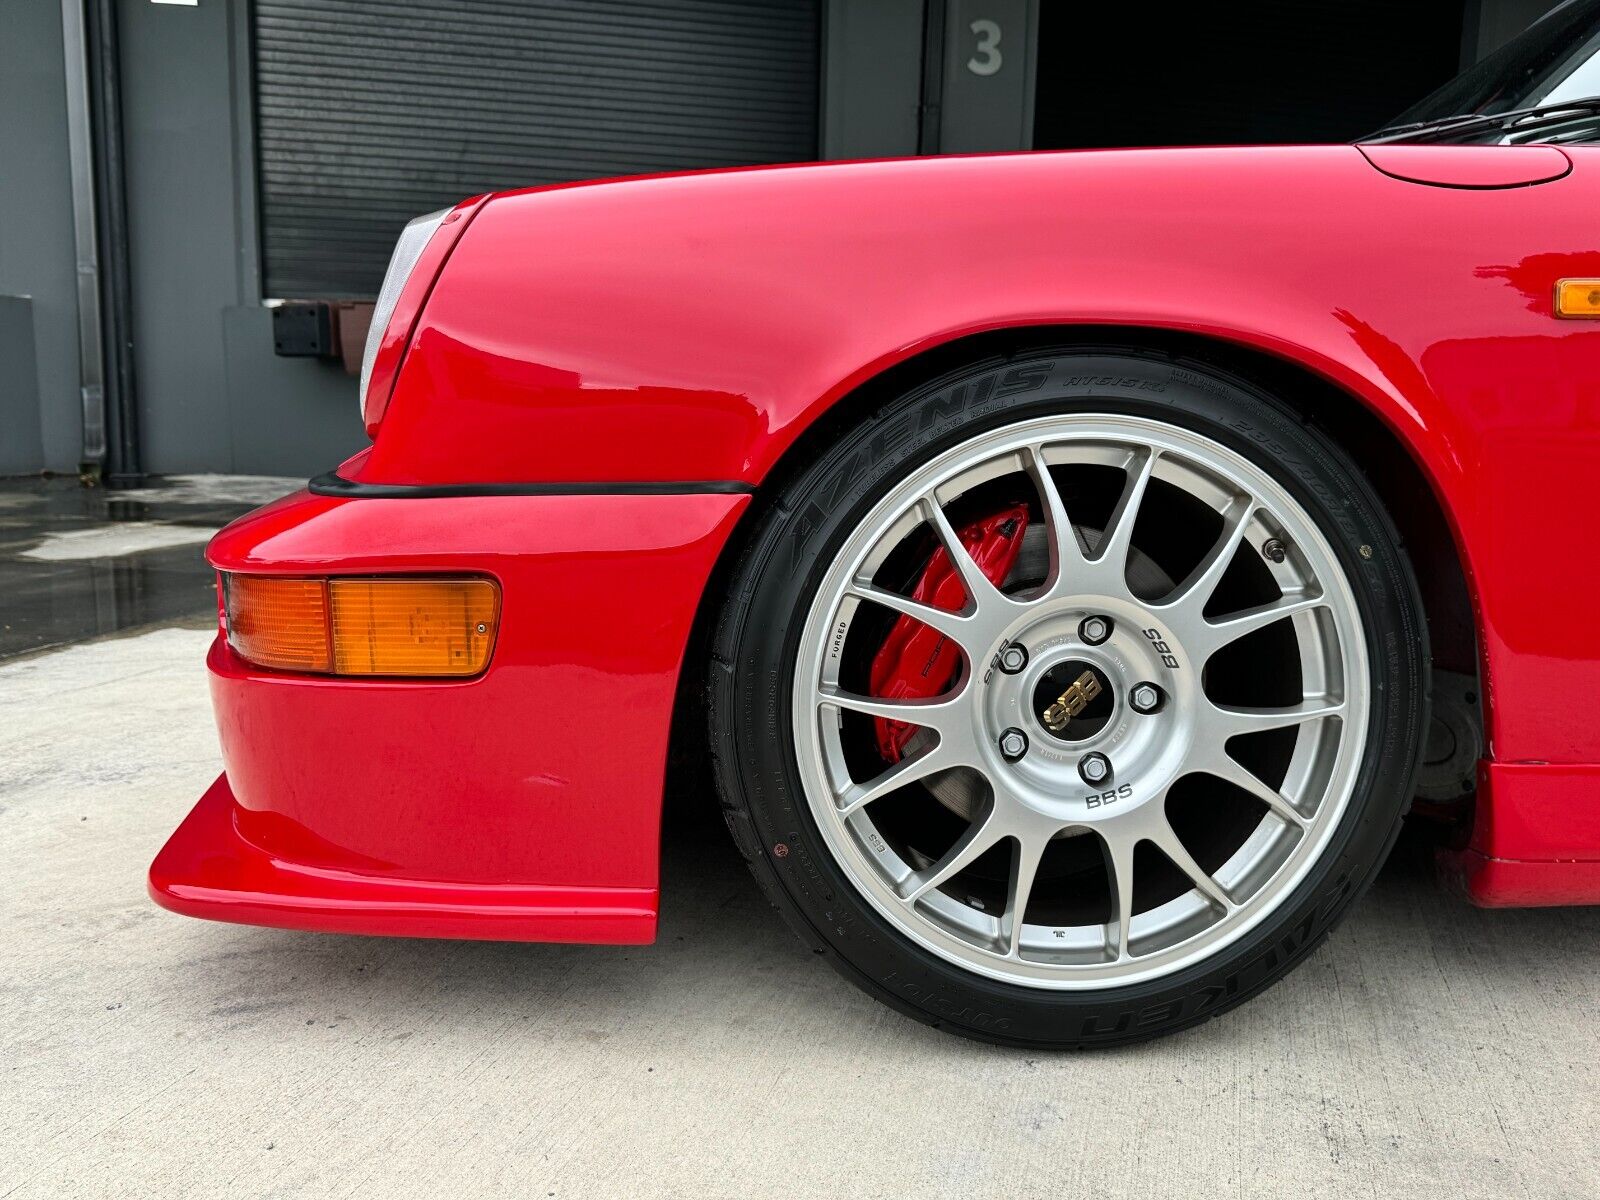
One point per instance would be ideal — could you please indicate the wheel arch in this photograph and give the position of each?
(1357, 423)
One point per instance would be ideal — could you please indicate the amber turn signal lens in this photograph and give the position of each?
(412, 626)
(280, 623)
(394, 627)
(1578, 298)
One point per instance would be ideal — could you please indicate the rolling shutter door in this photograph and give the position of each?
(370, 112)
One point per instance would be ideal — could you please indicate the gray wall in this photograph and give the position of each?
(212, 394)
(989, 54)
(871, 78)
(37, 259)
(21, 451)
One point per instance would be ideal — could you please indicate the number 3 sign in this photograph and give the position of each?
(986, 58)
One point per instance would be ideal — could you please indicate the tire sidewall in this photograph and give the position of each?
(779, 577)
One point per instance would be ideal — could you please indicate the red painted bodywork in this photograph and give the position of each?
(216, 866)
(534, 788)
(1534, 837)
(1469, 166)
(692, 328)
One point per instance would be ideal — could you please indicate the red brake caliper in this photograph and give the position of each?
(916, 661)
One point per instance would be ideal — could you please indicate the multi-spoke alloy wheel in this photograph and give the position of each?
(1083, 730)
(1161, 641)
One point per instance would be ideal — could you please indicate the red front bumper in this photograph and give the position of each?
(521, 804)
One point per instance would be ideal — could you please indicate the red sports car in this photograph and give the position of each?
(1068, 567)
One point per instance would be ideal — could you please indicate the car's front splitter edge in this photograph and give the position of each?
(209, 869)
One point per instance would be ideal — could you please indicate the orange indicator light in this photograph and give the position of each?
(374, 627)
(1578, 298)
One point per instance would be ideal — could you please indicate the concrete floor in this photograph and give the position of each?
(1429, 1050)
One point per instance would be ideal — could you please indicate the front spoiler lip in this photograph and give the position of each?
(209, 869)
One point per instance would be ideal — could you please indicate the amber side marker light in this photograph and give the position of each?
(1578, 298)
(380, 626)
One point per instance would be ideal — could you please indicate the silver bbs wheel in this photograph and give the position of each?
(1182, 657)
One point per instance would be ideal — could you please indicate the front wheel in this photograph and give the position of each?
(1070, 699)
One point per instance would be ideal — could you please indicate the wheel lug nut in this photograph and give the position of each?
(1094, 630)
(1144, 698)
(1013, 744)
(1013, 658)
(1095, 768)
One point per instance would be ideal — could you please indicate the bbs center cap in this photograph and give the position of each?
(1073, 700)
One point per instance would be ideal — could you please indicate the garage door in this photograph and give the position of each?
(369, 113)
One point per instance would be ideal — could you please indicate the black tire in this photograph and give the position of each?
(772, 586)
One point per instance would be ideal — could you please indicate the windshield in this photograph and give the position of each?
(1554, 60)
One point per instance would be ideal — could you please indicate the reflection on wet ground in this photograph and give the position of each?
(77, 562)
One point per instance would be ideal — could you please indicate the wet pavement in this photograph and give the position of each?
(77, 563)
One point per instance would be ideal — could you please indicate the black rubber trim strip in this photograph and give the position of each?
(334, 484)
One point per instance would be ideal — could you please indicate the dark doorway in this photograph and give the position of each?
(1252, 71)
